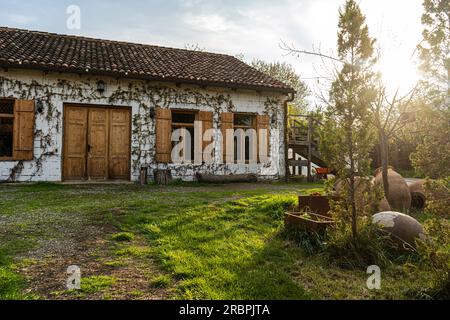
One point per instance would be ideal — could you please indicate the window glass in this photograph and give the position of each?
(185, 120)
(187, 146)
(191, 132)
(247, 149)
(188, 118)
(6, 107)
(6, 137)
(243, 120)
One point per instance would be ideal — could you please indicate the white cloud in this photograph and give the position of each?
(190, 3)
(252, 27)
(208, 23)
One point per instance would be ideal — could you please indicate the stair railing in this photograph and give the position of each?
(301, 132)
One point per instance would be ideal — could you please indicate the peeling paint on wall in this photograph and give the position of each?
(51, 91)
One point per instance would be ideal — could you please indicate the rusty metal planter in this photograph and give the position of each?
(316, 204)
(314, 223)
(318, 218)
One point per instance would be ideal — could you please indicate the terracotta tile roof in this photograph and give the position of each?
(63, 53)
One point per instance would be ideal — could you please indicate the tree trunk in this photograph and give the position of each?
(384, 154)
(352, 188)
(236, 178)
(310, 137)
(162, 177)
(447, 102)
(353, 206)
(143, 177)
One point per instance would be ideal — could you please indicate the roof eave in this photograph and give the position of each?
(133, 76)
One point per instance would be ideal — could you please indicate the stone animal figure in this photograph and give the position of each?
(399, 195)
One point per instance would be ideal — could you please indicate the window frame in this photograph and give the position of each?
(9, 116)
(254, 126)
(181, 125)
(252, 115)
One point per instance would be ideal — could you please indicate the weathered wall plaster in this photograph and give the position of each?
(54, 90)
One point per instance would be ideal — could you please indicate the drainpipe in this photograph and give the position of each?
(286, 136)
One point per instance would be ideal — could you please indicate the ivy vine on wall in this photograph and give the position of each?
(144, 94)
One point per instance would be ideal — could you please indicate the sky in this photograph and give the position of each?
(252, 28)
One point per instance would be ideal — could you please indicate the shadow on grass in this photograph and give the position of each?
(222, 251)
(41, 187)
(268, 276)
(212, 247)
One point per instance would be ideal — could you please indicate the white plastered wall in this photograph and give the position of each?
(54, 90)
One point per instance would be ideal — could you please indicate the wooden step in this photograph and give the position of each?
(298, 163)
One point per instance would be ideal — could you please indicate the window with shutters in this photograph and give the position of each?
(185, 120)
(244, 122)
(16, 129)
(6, 129)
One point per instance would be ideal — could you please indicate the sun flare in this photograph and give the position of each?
(398, 72)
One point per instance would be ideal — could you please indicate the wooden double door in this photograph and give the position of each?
(97, 143)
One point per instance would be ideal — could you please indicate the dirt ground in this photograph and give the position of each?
(67, 237)
(89, 246)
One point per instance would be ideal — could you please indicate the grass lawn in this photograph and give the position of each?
(185, 241)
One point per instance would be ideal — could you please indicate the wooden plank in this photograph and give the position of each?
(263, 123)
(298, 142)
(97, 149)
(226, 123)
(298, 163)
(206, 118)
(23, 138)
(163, 135)
(235, 178)
(75, 134)
(119, 144)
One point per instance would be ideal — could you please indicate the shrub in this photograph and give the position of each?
(371, 247)
(311, 243)
(368, 198)
(435, 253)
(438, 197)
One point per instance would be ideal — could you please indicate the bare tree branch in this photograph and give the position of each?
(391, 107)
(291, 50)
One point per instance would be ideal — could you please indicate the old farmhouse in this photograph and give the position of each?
(81, 109)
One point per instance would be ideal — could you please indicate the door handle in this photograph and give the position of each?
(89, 148)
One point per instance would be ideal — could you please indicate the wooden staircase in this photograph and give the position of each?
(304, 141)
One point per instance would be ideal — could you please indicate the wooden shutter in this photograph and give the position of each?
(75, 143)
(263, 122)
(119, 144)
(227, 122)
(206, 118)
(23, 130)
(163, 135)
